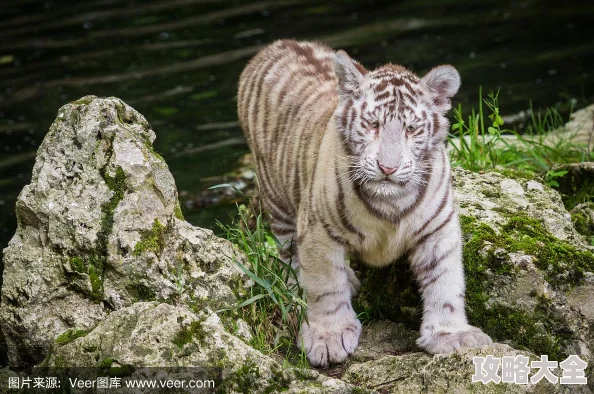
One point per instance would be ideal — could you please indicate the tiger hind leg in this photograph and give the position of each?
(287, 251)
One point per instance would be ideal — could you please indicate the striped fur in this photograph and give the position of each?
(351, 160)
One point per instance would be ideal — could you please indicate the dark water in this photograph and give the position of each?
(177, 62)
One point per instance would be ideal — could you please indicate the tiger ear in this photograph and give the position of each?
(349, 73)
(443, 83)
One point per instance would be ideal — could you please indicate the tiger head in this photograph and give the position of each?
(391, 121)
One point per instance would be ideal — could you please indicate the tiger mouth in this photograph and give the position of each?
(389, 181)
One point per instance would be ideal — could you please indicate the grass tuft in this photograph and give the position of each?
(274, 305)
(480, 141)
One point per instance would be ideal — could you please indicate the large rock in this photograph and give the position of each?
(152, 334)
(99, 228)
(421, 373)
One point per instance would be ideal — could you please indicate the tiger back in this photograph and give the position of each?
(287, 94)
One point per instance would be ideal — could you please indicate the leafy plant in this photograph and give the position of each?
(551, 175)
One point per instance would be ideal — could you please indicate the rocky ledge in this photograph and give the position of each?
(104, 272)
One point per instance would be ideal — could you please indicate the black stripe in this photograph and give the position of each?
(336, 238)
(333, 225)
(342, 211)
(365, 200)
(337, 308)
(423, 270)
(442, 225)
(329, 293)
(435, 214)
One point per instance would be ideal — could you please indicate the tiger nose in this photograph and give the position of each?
(386, 170)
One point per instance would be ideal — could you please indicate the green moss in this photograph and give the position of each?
(142, 292)
(106, 363)
(69, 336)
(92, 261)
(96, 283)
(91, 265)
(582, 221)
(152, 240)
(562, 265)
(60, 362)
(178, 211)
(83, 101)
(121, 111)
(78, 264)
(246, 379)
(517, 174)
(187, 334)
(96, 258)
(151, 149)
(117, 184)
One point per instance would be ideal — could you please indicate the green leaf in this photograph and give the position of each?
(262, 282)
(251, 300)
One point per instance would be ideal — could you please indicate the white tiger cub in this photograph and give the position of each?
(350, 160)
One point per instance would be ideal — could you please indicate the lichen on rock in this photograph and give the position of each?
(153, 334)
(522, 257)
(98, 230)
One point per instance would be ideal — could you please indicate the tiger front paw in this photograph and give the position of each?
(445, 342)
(326, 342)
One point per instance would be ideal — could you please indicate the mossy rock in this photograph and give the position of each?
(152, 240)
(582, 216)
(99, 228)
(577, 186)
